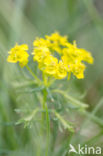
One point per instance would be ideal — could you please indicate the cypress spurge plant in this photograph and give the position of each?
(57, 59)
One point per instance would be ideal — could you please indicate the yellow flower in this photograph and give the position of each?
(19, 54)
(78, 70)
(40, 54)
(56, 38)
(61, 71)
(41, 42)
(86, 56)
(57, 57)
(50, 65)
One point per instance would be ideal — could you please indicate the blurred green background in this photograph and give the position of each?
(23, 20)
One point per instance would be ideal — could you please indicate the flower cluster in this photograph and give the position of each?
(19, 54)
(56, 56)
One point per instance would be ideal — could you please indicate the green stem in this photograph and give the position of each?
(36, 78)
(74, 101)
(45, 108)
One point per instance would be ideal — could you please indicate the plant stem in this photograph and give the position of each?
(45, 108)
(32, 73)
(74, 101)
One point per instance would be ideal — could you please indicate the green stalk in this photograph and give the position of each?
(74, 101)
(32, 73)
(45, 108)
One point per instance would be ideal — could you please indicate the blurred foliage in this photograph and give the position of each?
(21, 21)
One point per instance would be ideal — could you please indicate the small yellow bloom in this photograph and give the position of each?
(19, 54)
(61, 71)
(40, 54)
(40, 42)
(57, 38)
(50, 65)
(78, 70)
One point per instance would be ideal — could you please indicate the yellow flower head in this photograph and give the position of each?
(57, 57)
(19, 54)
